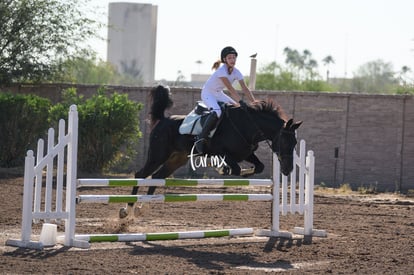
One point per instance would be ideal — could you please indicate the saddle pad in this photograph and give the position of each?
(192, 126)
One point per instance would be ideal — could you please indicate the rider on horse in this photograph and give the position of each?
(212, 92)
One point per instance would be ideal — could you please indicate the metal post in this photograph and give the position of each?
(336, 154)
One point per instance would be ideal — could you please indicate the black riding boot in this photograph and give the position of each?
(209, 125)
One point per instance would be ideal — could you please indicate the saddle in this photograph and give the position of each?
(194, 121)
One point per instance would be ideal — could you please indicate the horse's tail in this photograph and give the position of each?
(160, 101)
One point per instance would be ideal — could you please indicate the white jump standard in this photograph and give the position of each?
(299, 184)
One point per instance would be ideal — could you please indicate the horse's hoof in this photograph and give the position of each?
(247, 172)
(138, 211)
(224, 171)
(123, 213)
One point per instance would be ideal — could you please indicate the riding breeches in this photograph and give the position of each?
(211, 99)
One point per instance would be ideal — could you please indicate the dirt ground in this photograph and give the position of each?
(370, 234)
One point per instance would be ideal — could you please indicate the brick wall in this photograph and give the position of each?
(374, 134)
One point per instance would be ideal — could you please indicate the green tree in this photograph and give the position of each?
(274, 77)
(403, 75)
(108, 128)
(406, 83)
(293, 59)
(326, 62)
(36, 34)
(374, 77)
(316, 86)
(87, 69)
(23, 118)
(298, 63)
(311, 66)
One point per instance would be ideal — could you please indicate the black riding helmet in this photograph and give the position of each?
(226, 51)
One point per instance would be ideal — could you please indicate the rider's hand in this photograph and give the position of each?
(243, 105)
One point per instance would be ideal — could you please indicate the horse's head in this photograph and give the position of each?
(270, 120)
(284, 144)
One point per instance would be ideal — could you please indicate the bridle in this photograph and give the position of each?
(278, 149)
(259, 131)
(262, 136)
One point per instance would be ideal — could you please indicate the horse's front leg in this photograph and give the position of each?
(232, 167)
(258, 165)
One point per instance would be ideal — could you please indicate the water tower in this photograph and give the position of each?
(132, 35)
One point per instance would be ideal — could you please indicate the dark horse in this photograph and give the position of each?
(236, 139)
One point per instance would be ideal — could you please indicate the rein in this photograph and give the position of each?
(258, 129)
(237, 130)
(282, 130)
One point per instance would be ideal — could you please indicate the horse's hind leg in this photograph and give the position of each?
(152, 164)
(175, 161)
(146, 171)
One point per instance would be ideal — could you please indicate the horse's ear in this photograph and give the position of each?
(289, 124)
(296, 125)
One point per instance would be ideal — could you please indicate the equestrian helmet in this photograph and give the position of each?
(226, 51)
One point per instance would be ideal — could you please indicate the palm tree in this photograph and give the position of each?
(405, 69)
(310, 66)
(306, 57)
(326, 61)
(294, 60)
(403, 74)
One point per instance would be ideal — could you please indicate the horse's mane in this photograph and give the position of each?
(270, 107)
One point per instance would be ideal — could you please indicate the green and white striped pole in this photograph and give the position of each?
(172, 198)
(172, 182)
(163, 236)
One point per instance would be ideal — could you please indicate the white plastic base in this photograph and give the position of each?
(25, 244)
(315, 232)
(270, 233)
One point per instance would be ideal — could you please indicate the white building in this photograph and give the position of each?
(132, 35)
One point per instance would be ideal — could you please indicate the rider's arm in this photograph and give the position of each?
(246, 90)
(231, 89)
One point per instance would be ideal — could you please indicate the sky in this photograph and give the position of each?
(353, 32)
